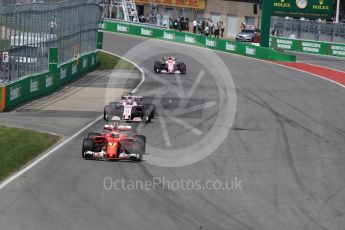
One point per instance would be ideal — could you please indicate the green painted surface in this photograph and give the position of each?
(265, 23)
(53, 59)
(100, 40)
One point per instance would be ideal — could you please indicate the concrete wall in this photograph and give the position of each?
(239, 9)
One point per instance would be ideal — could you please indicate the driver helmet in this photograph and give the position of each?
(115, 134)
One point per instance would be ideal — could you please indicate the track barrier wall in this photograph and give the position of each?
(18, 92)
(219, 44)
(306, 46)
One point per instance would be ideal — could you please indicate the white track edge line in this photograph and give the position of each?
(138, 67)
(313, 74)
(336, 70)
(45, 155)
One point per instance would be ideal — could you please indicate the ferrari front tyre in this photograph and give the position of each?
(87, 146)
(137, 148)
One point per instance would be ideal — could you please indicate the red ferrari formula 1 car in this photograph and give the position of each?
(114, 145)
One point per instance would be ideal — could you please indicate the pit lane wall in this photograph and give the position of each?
(35, 86)
(219, 44)
(306, 46)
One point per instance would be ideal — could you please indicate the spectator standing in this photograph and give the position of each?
(179, 24)
(194, 26)
(132, 15)
(52, 25)
(216, 30)
(222, 28)
(211, 25)
(207, 30)
(243, 26)
(292, 35)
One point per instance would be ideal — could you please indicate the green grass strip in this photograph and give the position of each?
(109, 62)
(19, 146)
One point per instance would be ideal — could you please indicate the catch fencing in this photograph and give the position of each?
(28, 30)
(308, 30)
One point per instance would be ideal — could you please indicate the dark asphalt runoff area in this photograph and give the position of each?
(236, 143)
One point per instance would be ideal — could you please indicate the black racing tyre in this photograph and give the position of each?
(93, 134)
(183, 68)
(147, 118)
(153, 111)
(108, 113)
(142, 140)
(147, 115)
(87, 146)
(137, 148)
(157, 67)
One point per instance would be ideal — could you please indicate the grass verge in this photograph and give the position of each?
(18, 146)
(109, 62)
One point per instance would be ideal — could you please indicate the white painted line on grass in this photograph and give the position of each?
(45, 155)
(138, 67)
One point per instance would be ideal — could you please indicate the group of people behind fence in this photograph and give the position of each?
(209, 28)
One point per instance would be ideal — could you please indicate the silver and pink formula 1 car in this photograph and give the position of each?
(169, 65)
(130, 108)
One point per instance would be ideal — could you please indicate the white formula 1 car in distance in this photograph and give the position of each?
(130, 108)
(169, 65)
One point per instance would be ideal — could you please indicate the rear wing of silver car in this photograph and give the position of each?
(138, 99)
(166, 58)
(125, 97)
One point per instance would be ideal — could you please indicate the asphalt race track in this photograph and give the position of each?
(276, 133)
(336, 63)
